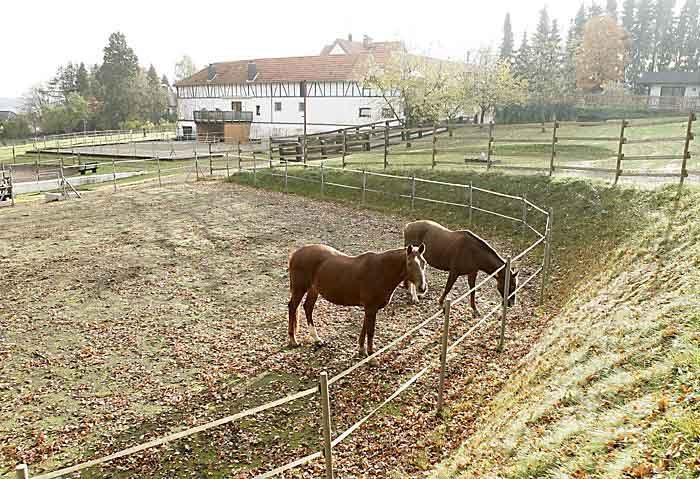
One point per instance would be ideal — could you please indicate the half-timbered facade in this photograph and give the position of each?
(274, 94)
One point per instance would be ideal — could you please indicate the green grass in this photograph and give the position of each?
(611, 390)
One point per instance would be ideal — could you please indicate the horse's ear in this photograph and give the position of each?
(421, 248)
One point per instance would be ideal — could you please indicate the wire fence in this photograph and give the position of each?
(249, 165)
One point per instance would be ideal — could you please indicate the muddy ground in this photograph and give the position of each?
(126, 316)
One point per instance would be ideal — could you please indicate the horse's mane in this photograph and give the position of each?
(484, 243)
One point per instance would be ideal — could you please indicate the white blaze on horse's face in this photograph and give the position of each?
(415, 268)
(512, 287)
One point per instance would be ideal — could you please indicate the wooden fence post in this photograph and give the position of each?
(434, 146)
(488, 153)
(506, 293)
(620, 154)
(114, 174)
(443, 353)
(386, 145)
(524, 217)
(345, 146)
(228, 173)
(63, 177)
(364, 185)
(554, 146)
(270, 153)
(686, 147)
(547, 255)
(22, 471)
(413, 192)
(211, 166)
(286, 177)
(14, 158)
(255, 170)
(12, 186)
(326, 419)
(240, 168)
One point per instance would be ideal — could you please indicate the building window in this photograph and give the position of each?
(387, 113)
(301, 106)
(672, 91)
(365, 112)
(236, 106)
(278, 106)
(257, 110)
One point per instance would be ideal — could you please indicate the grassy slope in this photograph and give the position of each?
(612, 389)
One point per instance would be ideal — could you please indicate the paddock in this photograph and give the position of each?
(128, 315)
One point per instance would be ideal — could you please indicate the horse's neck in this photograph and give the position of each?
(490, 262)
(396, 260)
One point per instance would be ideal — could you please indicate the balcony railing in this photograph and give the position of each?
(223, 116)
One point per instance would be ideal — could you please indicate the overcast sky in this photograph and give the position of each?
(40, 35)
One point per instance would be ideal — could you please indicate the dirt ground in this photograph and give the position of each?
(129, 315)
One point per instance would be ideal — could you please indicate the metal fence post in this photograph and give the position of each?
(22, 471)
(196, 165)
(506, 293)
(620, 154)
(323, 182)
(490, 144)
(471, 202)
(686, 147)
(546, 258)
(160, 183)
(364, 185)
(434, 146)
(413, 192)
(345, 146)
(554, 146)
(443, 353)
(326, 417)
(114, 174)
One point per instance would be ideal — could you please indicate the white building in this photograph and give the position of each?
(269, 96)
(678, 84)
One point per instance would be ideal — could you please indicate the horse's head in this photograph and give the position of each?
(415, 267)
(501, 280)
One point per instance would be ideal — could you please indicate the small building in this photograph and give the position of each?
(264, 97)
(7, 115)
(679, 84)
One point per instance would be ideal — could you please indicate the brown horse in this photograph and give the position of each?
(367, 280)
(459, 252)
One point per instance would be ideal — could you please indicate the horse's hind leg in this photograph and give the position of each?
(363, 334)
(371, 322)
(293, 306)
(309, 303)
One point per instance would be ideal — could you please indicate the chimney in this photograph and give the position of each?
(349, 37)
(211, 72)
(252, 71)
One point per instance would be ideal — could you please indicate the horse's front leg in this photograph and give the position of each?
(412, 292)
(363, 352)
(448, 286)
(471, 277)
(371, 320)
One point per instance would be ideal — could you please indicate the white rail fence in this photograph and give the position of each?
(323, 388)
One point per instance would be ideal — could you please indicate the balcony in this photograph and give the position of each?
(205, 116)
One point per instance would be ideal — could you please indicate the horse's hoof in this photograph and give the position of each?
(293, 343)
(362, 353)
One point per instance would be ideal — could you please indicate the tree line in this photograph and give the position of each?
(119, 93)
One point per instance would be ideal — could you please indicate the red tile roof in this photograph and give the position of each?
(313, 68)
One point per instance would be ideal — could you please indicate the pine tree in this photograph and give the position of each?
(117, 76)
(664, 35)
(642, 43)
(595, 10)
(545, 81)
(628, 15)
(611, 8)
(523, 59)
(82, 80)
(164, 80)
(580, 22)
(687, 32)
(507, 45)
(569, 63)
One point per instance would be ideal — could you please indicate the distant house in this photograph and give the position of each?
(264, 97)
(6, 115)
(676, 84)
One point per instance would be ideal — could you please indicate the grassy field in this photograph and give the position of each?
(470, 141)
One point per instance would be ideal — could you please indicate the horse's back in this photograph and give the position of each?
(441, 243)
(304, 262)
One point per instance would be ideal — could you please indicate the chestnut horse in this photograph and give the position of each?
(367, 280)
(459, 252)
